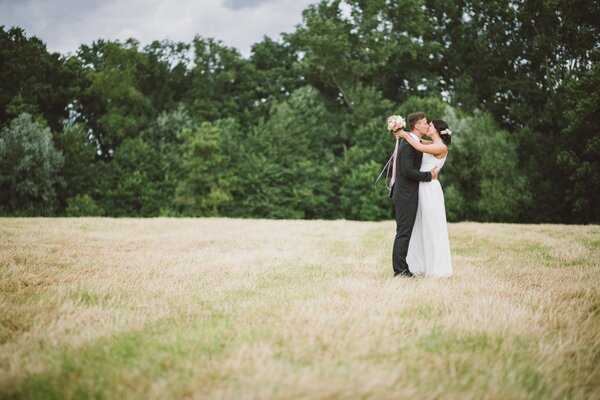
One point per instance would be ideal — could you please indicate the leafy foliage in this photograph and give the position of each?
(32, 80)
(29, 163)
(203, 188)
(78, 170)
(297, 129)
(482, 163)
(83, 206)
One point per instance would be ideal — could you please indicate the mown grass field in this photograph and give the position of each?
(258, 309)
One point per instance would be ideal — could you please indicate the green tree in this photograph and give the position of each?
(204, 188)
(164, 76)
(79, 170)
(113, 104)
(377, 44)
(433, 107)
(165, 135)
(328, 44)
(521, 61)
(222, 85)
(29, 166)
(129, 184)
(286, 165)
(360, 198)
(577, 157)
(365, 125)
(276, 75)
(83, 206)
(33, 80)
(481, 177)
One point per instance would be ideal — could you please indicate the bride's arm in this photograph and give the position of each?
(435, 149)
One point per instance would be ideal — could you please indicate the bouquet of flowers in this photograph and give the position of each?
(395, 122)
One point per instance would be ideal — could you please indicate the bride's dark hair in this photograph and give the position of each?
(441, 125)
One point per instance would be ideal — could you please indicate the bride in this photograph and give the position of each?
(429, 248)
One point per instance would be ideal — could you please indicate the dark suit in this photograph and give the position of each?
(405, 197)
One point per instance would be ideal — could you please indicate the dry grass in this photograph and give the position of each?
(225, 308)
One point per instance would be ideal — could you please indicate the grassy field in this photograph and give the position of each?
(257, 309)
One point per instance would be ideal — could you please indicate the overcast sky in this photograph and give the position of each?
(65, 24)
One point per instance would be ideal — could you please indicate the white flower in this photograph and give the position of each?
(395, 122)
(446, 131)
(400, 123)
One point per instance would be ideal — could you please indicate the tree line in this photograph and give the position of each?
(297, 128)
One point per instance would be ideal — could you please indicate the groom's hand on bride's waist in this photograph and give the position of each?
(434, 173)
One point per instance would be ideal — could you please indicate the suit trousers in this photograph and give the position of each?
(405, 211)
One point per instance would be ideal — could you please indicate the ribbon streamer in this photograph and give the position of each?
(386, 168)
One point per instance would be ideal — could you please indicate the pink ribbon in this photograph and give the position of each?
(386, 168)
(394, 165)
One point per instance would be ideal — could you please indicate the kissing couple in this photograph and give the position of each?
(421, 245)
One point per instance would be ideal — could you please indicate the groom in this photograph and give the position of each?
(405, 191)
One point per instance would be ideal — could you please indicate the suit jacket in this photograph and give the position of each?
(408, 176)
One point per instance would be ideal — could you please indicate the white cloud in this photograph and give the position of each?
(65, 24)
(236, 4)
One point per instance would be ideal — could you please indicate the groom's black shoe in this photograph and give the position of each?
(405, 274)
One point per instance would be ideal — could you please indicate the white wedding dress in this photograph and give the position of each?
(429, 247)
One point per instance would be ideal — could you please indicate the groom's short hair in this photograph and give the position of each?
(414, 118)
